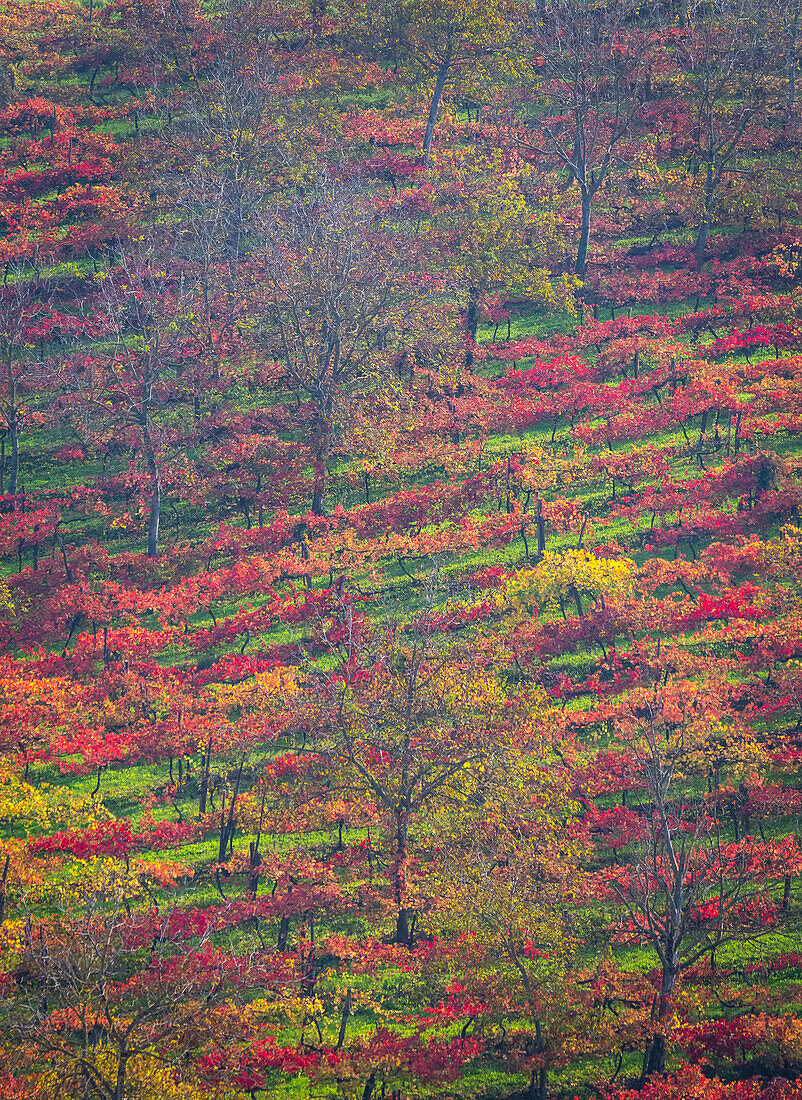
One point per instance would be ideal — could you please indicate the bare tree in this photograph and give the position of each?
(686, 887)
(724, 59)
(338, 301)
(405, 721)
(147, 317)
(24, 302)
(98, 1020)
(587, 62)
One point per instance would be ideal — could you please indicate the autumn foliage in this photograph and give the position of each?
(401, 544)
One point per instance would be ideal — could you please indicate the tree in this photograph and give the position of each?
(23, 307)
(491, 238)
(686, 890)
(409, 721)
(338, 297)
(97, 1014)
(443, 38)
(146, 313)
(588, 82)
(721, 56)
(229, 150)
(511, 885)
(578, 574)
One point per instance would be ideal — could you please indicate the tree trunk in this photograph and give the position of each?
(227, 829)
(320, 447)
(319, 493)
(584, 237)
(656, 1060)
(703, 232)
(538, 1084)
(13, 473)
(206, 769)
(3, 890)
(119, 1088)
(204, 784)
(221, 848)
(702, 235)
(155, 507)
(472, 324)
(346, 1012)
(283, 931)
(12, 422)
(402, 927)
(402, 924)
(792, 62)
(434, 106)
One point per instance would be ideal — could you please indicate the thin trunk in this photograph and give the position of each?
(13, 431)
(344, 1019)
(538, 1084)
(12, 421)
(3, 890)
(704, 225)
(283, 932)
(204, 784)
(320, 442)
(584, 237)
(541, 530)
(119, 1089)
(221, 848)
(703, 427)
(701, 239)
(254, 863)
(472, 323)
(574, 594)
(434, 106)
(155, 504)
(736, 437)
(792, 61)
(319, 494)
(227, 831)
(153, 524)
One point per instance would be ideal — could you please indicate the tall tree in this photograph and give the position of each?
(686, 890)
(584, 75)
(338, 300)
(443, 39)
(97, 1018)
(491, 239)
(147, 316)
(412, 723)
(722, 55)
(23, 306)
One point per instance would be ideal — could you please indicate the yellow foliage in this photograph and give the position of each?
(265, 691)
(20, 803)
(572, 574)
(493, 236)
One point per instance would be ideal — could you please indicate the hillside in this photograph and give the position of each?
(400, 550)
